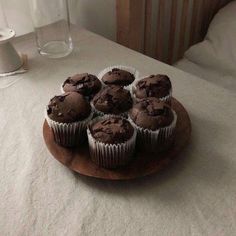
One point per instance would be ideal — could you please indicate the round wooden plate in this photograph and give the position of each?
(78, 159)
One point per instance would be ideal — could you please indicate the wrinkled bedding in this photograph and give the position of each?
(214, 59)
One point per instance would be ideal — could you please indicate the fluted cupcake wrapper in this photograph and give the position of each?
(110, 155)
(69, 134)
(130, 69)
(166, 99)
(61, 88)
(158, 140)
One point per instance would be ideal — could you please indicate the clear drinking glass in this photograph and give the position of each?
(51, 21)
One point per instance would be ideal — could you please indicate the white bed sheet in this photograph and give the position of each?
(214, 59)
(40, 197)
(219, 78)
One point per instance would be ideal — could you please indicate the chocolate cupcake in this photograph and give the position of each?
(68, 115)
(155, 122)
(111, 141)
(158, 86)
(112, 100)
(118, 75)
(85, 84)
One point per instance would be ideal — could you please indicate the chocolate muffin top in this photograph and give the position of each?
(68, 107)
(151, 113)
(85, 84)
(118, 77)
(112, 130)
(153, 86)
(113, 100)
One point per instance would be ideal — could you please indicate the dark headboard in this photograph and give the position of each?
(164, 29)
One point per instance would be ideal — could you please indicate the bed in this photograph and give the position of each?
(214, 59)
(164, 30)
(195, 196)
(41, 197)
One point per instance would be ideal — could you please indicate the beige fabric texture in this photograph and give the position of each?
(195, 195)
(214, 58)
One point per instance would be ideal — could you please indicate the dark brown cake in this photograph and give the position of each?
(112, 130)
(113, 100)
(153, 86)
(152, 114)
(85, 84)
(118, 77)
(68, 107)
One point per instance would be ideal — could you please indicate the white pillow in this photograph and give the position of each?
(218, 50)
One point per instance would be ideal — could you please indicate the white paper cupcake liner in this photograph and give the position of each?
(110, 155)
(158, 140)
(69, 134)
(61, 88)
(132, 70)
(166, 99)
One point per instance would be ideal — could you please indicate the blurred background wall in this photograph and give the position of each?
(98, 16)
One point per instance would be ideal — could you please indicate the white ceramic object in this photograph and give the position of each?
(9, 58)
